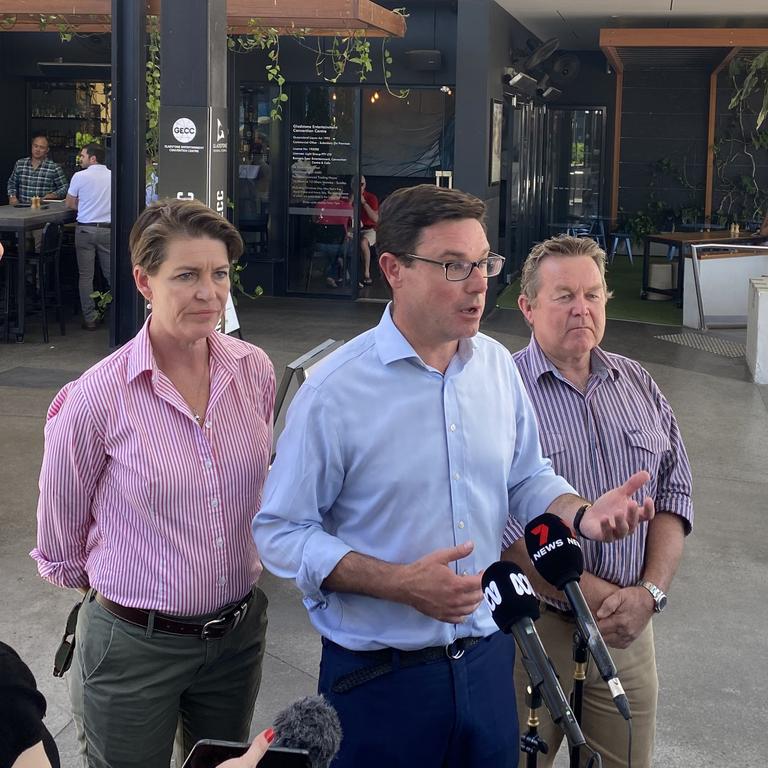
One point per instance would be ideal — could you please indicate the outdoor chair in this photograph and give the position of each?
(616, 239)
(594, 229)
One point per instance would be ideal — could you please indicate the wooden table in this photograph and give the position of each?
(682, 241)
(20, 221)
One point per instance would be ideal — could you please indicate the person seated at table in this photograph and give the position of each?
(36, 176)
(152, 470)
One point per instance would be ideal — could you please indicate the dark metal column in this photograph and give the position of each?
(193, 95)
(129, 34)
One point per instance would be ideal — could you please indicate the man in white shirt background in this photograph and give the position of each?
(90, 194)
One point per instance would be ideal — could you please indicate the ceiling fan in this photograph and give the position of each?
(521, 75)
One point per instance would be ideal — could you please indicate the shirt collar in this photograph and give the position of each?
(222, 351)
(392, 345)
(600, 364)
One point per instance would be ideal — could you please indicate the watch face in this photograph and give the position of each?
(661, 603)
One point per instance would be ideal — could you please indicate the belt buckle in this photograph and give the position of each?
(452, 651)
(212, 625)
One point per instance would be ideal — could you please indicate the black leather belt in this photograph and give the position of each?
(213, 629)
(385, 660)
(106, 224)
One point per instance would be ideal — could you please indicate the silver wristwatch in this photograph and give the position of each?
(659, 598)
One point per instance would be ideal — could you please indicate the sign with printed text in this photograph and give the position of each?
(193, 155)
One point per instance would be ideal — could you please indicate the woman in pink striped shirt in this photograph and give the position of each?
(153, 469)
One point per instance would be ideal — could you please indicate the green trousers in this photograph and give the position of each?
(131, 686)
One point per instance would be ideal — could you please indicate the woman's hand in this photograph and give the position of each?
(255, 752)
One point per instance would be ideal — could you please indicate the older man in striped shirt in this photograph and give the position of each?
(601, 417)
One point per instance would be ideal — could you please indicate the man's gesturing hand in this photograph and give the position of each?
(616, 514)
(431, 586)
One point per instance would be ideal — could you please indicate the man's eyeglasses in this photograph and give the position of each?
(456, 271)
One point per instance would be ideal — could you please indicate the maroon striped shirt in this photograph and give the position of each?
(139, 501)
(598, 438)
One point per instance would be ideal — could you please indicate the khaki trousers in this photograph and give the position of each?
(604, 728)
(130, 687)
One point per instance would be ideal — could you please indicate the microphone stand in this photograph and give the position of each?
(580, 655)
(530, 742)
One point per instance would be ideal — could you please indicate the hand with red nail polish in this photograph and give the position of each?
(255, 752)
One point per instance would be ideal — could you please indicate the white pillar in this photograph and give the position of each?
(757, 329)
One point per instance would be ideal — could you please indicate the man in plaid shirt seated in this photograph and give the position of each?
(36, 175)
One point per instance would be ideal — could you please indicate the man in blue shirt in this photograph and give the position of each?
(401, 460)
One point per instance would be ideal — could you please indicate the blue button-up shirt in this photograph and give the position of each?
(385, 456)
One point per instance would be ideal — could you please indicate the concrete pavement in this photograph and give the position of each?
(712, 641)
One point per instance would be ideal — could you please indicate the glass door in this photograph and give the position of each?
(575, 151)
(324, 166)
(522, 182)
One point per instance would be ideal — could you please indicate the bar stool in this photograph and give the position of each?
(47, 263)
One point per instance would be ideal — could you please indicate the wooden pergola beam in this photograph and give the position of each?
(683, 38)
(613, 58)
(322, 17)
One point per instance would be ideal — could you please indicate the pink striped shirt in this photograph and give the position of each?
(139, 501)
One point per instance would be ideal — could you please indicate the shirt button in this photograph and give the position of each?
(465, 573)
(214, 503)
(207, 424)
(208, 464)
(456, 476)
(219, 542)
(221, 581)
(452, 427)
(461, 523)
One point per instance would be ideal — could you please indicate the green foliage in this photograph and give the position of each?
(352, 49)
(755, 81)
(238, 289)
(744, 142)
(264, 39)
(82, 138)
(102, 299)
(152, 78)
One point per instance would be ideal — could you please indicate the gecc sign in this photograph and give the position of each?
(184, 130)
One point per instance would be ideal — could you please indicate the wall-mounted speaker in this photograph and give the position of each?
(424, 60)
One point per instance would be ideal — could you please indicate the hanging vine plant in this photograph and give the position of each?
(353, 49)
(744, 142)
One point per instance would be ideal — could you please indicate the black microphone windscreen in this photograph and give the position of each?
(310, 723)
(509, 594)
(555, 552)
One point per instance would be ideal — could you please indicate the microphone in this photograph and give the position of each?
(557, 556)
(310, 723)
(514, 608)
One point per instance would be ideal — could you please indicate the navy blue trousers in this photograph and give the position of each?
(444, 714)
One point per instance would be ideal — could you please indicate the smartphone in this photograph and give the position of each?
(209, 753)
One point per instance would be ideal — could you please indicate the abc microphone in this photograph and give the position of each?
(514, 608)
(557, 556)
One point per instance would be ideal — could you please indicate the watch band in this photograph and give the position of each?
(577, 519)
(658, 595)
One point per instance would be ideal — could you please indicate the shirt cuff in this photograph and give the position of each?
(676, 504)
(64, 574)
(322, 553)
